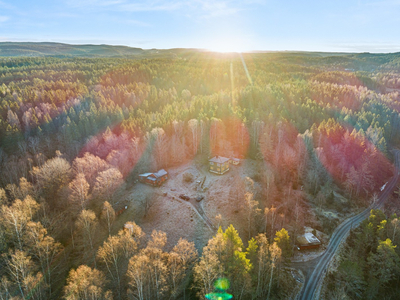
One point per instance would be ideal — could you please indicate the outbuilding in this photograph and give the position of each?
(234, 161)
(308, 241)
(154, 179)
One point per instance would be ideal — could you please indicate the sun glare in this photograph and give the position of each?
(228, 45)
(226, 48)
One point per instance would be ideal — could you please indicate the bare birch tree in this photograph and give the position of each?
(90, 165)
(44, 248)
(275, 253)
(180, 261)
(86, 284)
(107, 216)
(21, 269)
(193, 125)
(252, 211)
(107, 183)
(15, 218)
(87, 224)
(263, 266)
(117, 249)
(79, 189)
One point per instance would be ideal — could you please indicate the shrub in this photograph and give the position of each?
(188, 177)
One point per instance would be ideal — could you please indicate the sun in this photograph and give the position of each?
(227, 45)
(226, 48)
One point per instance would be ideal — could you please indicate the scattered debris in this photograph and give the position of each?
(120, 207)
(296, 276)
(202, 183)
(199, 198)
(184, 197)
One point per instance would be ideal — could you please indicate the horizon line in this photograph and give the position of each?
(195, 48)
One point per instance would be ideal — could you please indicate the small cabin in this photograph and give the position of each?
(218, 165)
(154, 179)
(308, 241)
(234, 161)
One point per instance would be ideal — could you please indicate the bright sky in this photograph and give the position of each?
(224, 25)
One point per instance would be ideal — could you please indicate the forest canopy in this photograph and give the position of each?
(77, 129)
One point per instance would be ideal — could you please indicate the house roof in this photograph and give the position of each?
(160, 173)
(308, 239)
(219, 159)
(235, 159)
(145, 174)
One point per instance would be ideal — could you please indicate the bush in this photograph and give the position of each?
(188, 177)
(257, 177)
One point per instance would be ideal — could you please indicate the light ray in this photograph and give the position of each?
(245, 69)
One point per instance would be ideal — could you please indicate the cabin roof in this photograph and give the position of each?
(308, 239)
(152, 176)
(145, 174)
(160, 173)
(218, 159)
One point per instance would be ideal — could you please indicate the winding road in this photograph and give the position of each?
(314, 269)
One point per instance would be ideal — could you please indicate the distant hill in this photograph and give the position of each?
(58, 49)
(12, 49)
(31, 49)
(335, 60)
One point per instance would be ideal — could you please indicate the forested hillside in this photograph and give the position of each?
(75, 132)
(51, 49)
(369, 264)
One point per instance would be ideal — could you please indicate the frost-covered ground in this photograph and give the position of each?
(177, 217)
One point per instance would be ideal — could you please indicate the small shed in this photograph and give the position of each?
(154, 179)
(219, 164)
(308, 241)
(234, 161)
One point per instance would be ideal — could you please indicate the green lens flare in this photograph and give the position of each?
(219, 296)
(222, 284)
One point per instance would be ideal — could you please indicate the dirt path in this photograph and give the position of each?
(196, 205)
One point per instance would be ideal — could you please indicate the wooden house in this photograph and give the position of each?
(308, 241)
(154, 179)
(219, 164)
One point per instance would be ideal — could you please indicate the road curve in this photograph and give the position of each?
(312, 281)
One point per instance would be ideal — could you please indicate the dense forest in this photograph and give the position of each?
(369, 265)
(75, 132)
